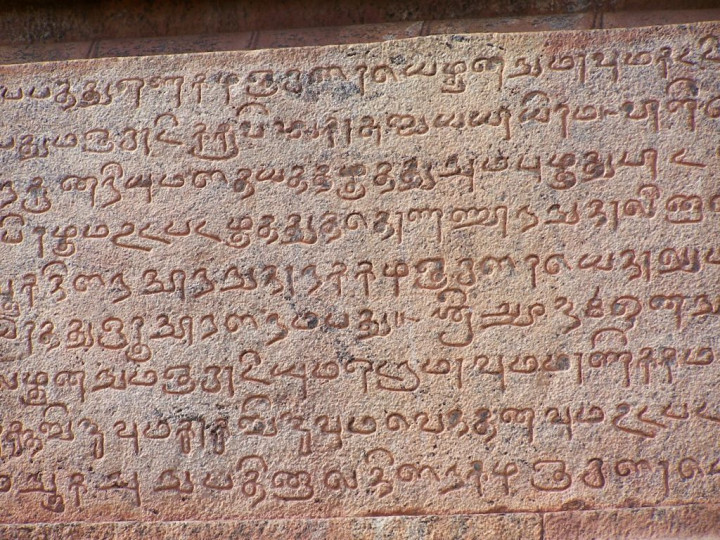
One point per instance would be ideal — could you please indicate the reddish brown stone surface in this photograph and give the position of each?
(17, 53)
(692, 521)
(34, 21)
(524, 526)
(457, 286)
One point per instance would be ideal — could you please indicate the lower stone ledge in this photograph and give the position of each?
(693, 521)
(667, 522)
(510, 526)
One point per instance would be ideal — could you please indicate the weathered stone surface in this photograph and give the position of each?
(692, 521)
(34, 21)
(460, 274)
(14, 53)
(511, 526)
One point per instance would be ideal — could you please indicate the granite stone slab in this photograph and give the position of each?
(462, 285)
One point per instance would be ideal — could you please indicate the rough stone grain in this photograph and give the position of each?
(691, 521)
(33, 21)
(453, 286)
(104, 46)
(510, 527)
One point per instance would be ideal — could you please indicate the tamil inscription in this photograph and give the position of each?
(459, 274)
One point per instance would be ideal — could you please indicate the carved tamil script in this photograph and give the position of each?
(463, 273)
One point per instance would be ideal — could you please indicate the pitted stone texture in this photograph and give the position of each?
(694, 522)
(465, 274)
(38, 21)
(516, 526)
(105, 46)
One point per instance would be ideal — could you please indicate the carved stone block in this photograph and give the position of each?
(447, 286)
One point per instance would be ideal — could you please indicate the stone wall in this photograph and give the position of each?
(432, 279)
